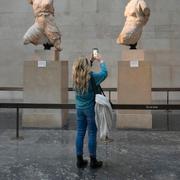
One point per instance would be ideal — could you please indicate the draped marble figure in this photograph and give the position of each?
(44, 30)
(137, 15)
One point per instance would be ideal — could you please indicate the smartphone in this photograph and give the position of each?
(95, 52)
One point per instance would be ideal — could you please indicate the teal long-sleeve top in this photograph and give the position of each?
(86, 100)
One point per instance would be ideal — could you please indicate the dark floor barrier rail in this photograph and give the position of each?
(19, 106)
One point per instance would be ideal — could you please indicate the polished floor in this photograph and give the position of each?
(50, 155)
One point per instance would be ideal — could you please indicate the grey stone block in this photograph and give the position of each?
(111, 6)
(70, 20)
(14, 6)
(161, 76)
(89, 6)
(76, 6)
(62, 6)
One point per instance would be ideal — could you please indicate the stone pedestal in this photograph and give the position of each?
(129, 55)
(44, 55)
(134, 87)
(48, 84)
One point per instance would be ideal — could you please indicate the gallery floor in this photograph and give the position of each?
(49, 154)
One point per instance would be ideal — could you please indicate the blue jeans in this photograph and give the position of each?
(86, 120)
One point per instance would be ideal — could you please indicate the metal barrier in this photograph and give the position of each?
(19, 106)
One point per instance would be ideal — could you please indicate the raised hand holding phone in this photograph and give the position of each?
(95, 52)
(96, 55)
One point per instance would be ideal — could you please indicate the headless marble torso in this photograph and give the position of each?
(137, 14)
(44, 31)
(43, 6)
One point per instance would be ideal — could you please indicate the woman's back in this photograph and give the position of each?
(86, 99)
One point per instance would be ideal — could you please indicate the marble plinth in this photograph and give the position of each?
(45, 85)
(134, 87)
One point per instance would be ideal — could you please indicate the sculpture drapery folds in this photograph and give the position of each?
(137, 15)
(44, 30)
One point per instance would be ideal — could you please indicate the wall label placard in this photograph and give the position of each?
(42, 64)
(134, 64)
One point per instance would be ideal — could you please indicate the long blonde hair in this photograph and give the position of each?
(80, 72)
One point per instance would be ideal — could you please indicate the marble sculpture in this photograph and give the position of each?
(137, 15)
(44, 30)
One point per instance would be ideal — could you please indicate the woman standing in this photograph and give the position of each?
(85, 101)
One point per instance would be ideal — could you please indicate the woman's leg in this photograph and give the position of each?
(81, 131)
(92, 132)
